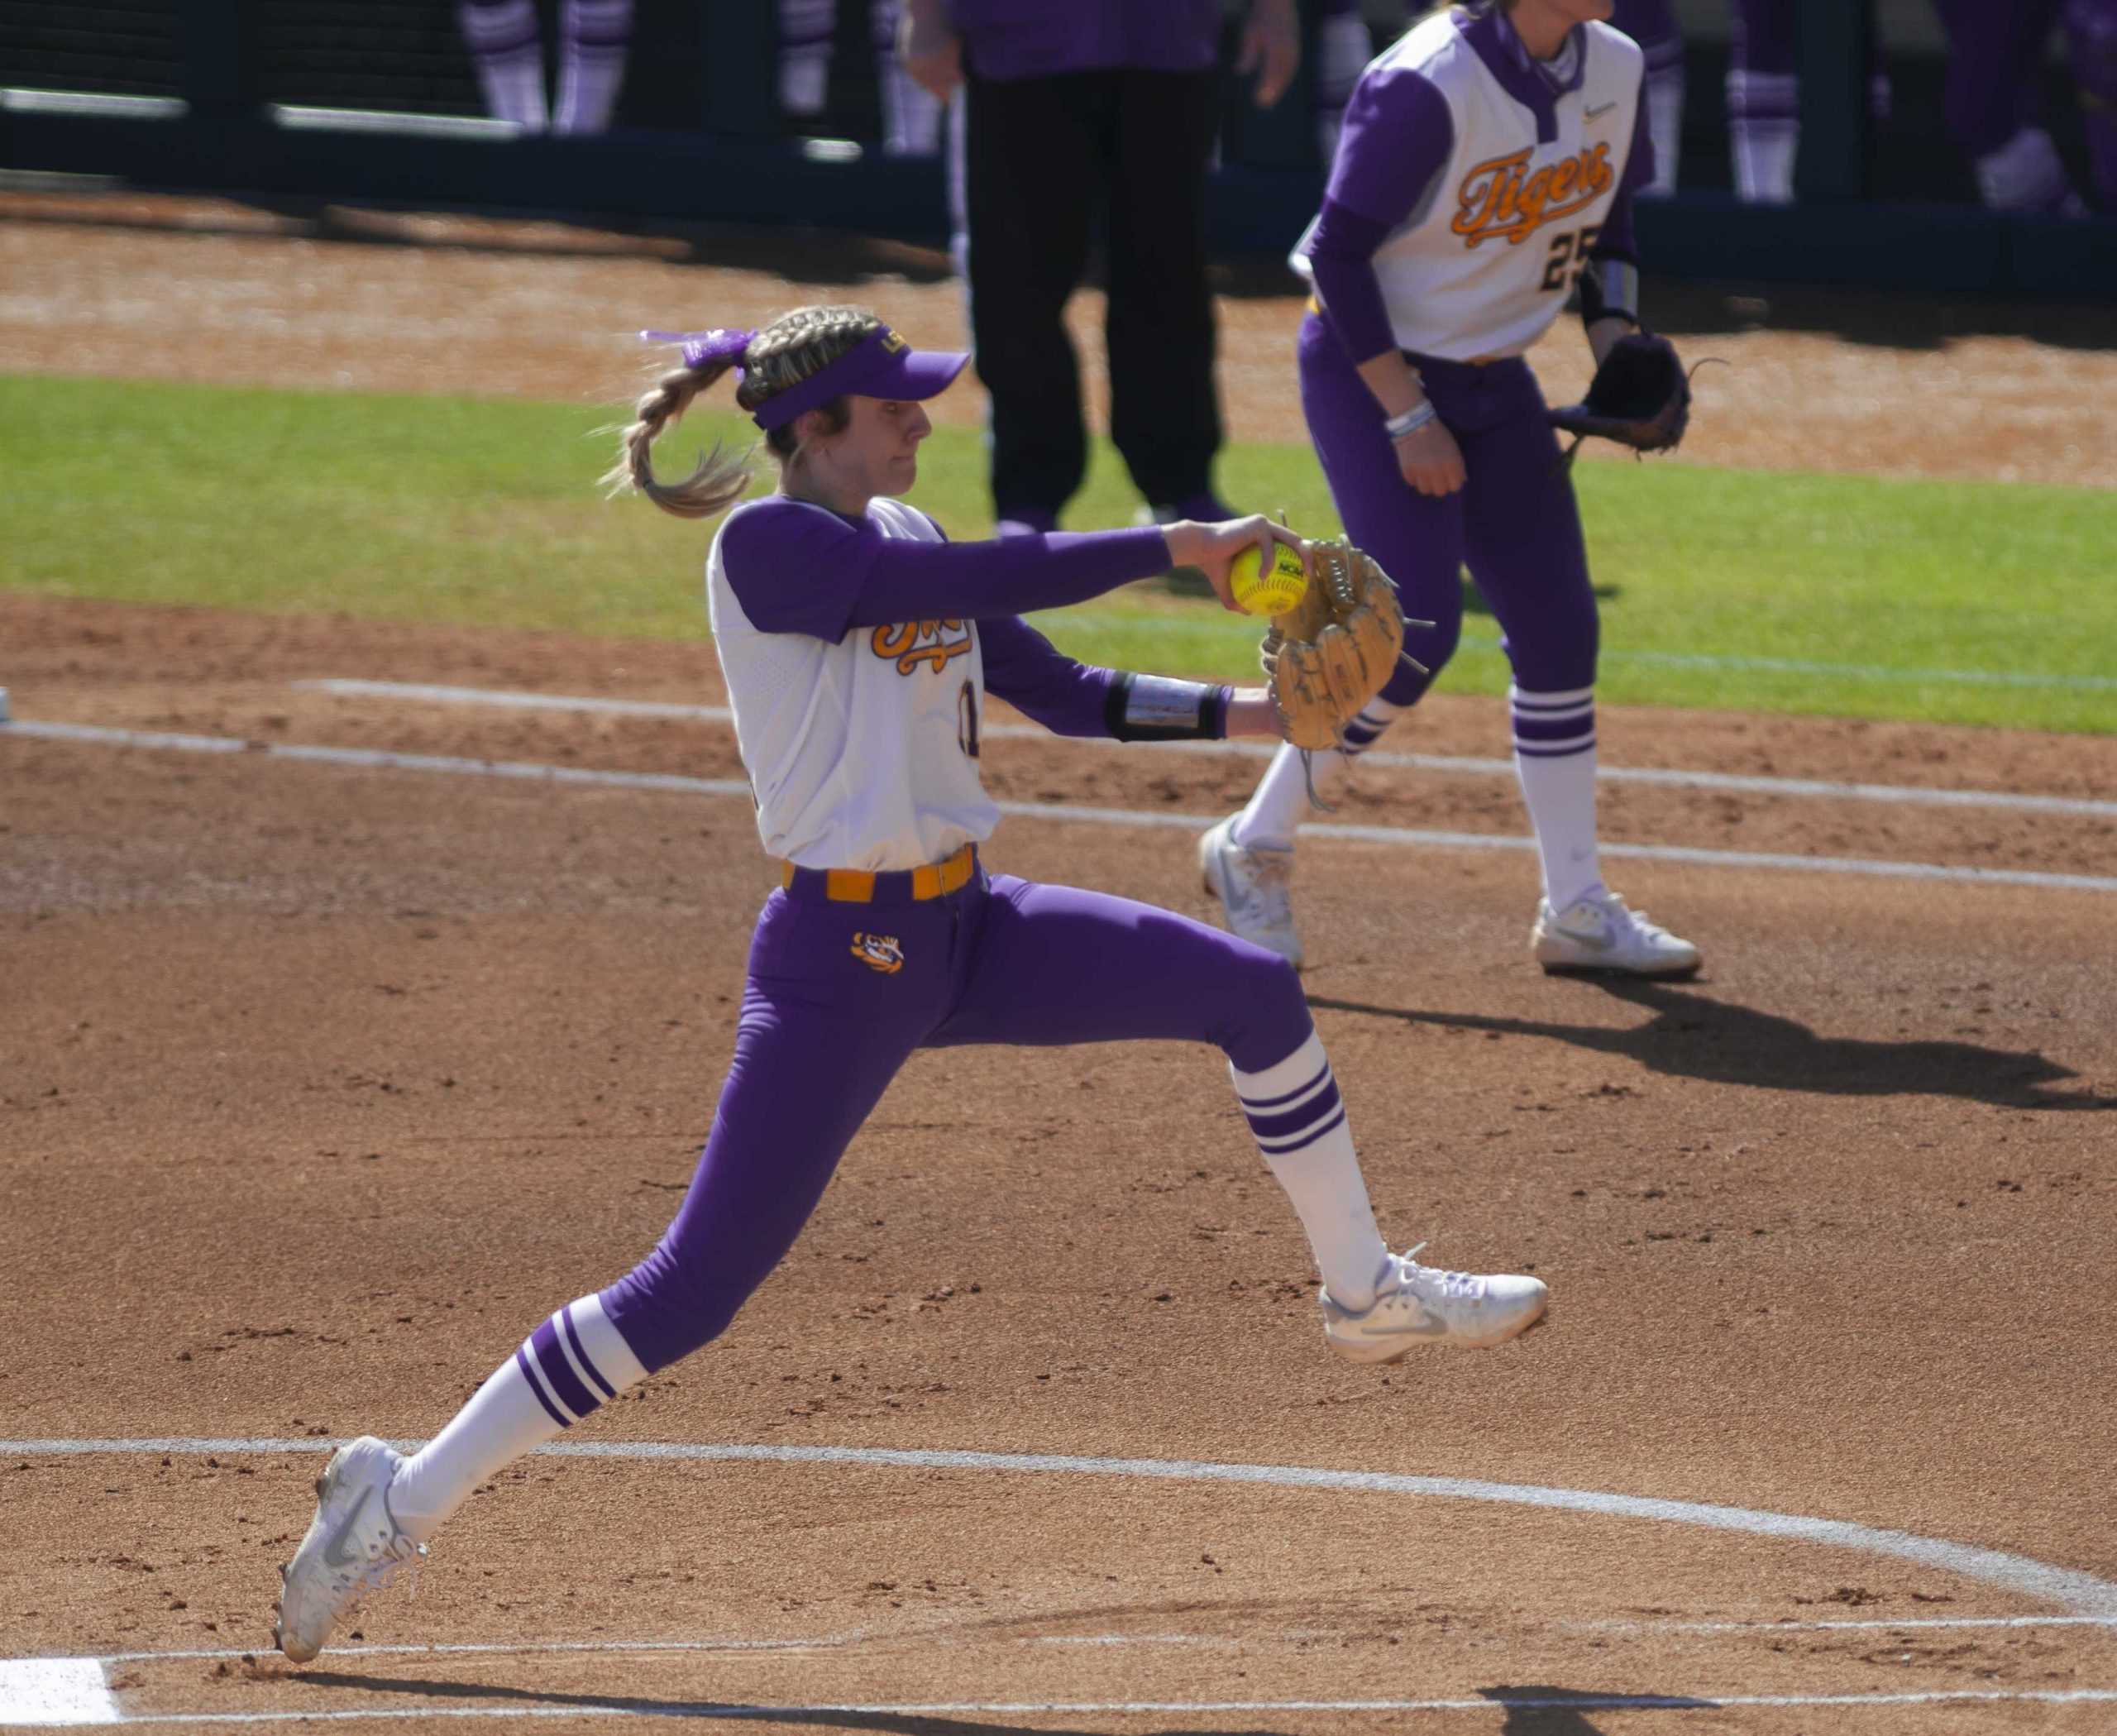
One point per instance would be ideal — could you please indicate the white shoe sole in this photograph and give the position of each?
(1381, 1352)
(294, 1651)
(1614, 968)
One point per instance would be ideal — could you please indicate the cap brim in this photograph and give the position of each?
(914, 374)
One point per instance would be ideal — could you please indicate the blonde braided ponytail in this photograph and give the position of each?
(781, 354)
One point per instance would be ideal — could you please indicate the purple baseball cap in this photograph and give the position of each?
(882, 364)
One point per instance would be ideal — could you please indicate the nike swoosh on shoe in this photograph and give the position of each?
(334, 1553)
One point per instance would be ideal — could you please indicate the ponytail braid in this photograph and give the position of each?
(781, 354)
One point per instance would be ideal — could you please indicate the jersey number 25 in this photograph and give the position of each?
(1570, 250)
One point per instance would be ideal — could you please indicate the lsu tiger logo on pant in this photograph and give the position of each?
(879, 952)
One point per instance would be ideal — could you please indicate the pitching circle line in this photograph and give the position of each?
(2077, 1593)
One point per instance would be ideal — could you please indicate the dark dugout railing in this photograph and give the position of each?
(373, 101)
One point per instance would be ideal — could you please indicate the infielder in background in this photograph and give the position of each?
(509, 54)
(1489, 160)
(859, 647)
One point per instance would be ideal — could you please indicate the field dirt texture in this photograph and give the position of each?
(322, 1084)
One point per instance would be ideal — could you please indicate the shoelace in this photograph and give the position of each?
(1466, 1286)
(397, 1558)
(1620, 915)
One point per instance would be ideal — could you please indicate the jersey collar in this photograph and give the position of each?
(1520, 74)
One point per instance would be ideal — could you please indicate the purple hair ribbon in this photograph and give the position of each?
(722, 344)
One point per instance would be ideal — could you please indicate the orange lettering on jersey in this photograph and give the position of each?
(1501, 198)
(902, 643)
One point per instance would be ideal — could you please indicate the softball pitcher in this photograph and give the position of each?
(1488, 162)
(859, 647)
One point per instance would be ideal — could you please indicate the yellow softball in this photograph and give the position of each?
(1257, 591)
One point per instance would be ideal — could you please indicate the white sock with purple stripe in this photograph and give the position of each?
(1281, 803)
(806, 30)
(1555, 758)
(1664, 113)
(1298, 1118)
(595, 34)
(1764, 133)
(561, 1371)
(509, 52)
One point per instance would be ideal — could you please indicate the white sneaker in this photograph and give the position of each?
(353, 1547)
(1597, 932)
(1255, 887)
(1420, 1305)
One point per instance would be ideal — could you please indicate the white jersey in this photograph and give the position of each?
(1469, 275)
(861, 754)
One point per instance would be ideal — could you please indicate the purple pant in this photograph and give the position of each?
(1994, 53)
(1514, 520)
(2092, 34)
(840, 995)
(1763, 37)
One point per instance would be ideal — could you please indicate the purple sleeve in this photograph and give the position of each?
(1029, 672)
(1616, 240)
(1396, 139)
(798, 568)
(1035, 677)
(1341, 250)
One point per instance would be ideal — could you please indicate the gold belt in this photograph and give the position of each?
(863, 886)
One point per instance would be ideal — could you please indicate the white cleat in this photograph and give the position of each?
(1597, 932)
(1256, 889)
(353, 1547)
(1418, 1305)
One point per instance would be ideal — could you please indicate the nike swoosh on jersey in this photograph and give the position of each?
(1589, 114)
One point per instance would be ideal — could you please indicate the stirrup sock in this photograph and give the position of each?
(1298, 1119)
(569, 1366)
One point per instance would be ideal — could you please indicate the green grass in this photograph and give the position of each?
(1986, 603)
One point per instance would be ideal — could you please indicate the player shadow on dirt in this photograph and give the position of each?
(1695, 1036)
(1537, 1708)
(1532, 1708)
(744, 1712)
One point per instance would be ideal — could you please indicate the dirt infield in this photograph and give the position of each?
(321, 1083)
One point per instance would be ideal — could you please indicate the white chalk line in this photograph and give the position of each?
(1487, 1703)
(2070, 1589)
(953, 1633)
(1398, 837)
(1902, 1624)
(506, 699)
(55, 1690)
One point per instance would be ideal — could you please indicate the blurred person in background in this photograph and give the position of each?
(912, 115)
(507, 51)
(1652, 25)
(1764, 93)
(1068, 104)
(1343, 49)
(1995, 104)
